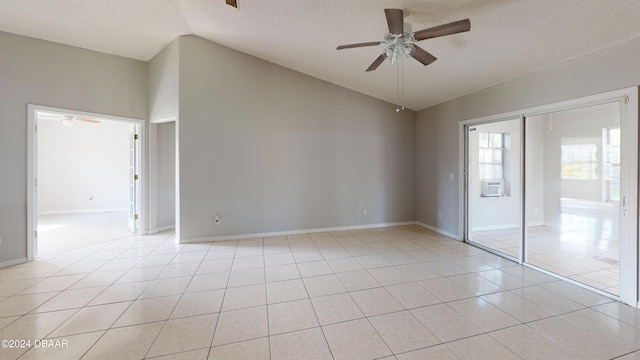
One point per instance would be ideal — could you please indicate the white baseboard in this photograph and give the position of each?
(295, 232)
(7, 263)
(80, 211)
(439, 231)
(495, 227)
(159, 229)
(505, 227)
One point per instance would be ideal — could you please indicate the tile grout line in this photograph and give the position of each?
(224, 295)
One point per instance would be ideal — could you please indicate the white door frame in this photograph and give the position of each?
(32, 169)
(133, 210)
(629, 251)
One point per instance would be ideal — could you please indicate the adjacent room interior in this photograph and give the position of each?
(83, 182)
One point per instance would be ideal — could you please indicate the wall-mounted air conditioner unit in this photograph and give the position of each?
(492, 188)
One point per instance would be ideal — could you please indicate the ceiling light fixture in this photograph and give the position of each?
(68, 120)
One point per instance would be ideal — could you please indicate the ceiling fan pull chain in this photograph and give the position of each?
(398, 86)
(402, 84)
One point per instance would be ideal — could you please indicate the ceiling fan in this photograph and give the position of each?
(67, 120)
(398, 42)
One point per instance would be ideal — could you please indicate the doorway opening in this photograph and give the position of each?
(86, 178)
(162, 180)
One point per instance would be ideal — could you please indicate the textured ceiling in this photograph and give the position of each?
(508, 38)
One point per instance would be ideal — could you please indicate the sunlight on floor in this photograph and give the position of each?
(63, 232)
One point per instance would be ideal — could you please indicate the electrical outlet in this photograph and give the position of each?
(216, 219)
(364, 212)
(451, 177)
(440, 215)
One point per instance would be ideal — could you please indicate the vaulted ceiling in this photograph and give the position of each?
(508, 38)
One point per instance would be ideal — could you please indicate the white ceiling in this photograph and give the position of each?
(508, 38)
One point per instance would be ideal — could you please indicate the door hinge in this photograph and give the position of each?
(135, 217)
(135, 177)
(35, 233)
(35, 182)
(135, 136)
(626, 99)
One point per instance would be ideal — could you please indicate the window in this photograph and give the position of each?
(491, 155)
(611, 164)
(579, 161)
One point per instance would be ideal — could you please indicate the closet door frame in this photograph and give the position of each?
(628, 97)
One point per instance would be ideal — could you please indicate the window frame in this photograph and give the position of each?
(487, 147)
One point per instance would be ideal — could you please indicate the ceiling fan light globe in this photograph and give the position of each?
(407, 49)
(389, 51)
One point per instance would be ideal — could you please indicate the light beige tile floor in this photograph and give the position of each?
(384, 293)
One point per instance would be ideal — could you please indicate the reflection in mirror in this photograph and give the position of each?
(572, 171)
(494, 186)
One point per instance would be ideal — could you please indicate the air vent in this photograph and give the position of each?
(233, 3)
(492, 188)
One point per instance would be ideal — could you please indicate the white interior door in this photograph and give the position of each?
(134, 182)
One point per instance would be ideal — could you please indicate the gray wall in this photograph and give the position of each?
(163, 84)
(166, 175)
(46, 73)
(437, 127)
(436, 162)
(163, 87)
(269, 149)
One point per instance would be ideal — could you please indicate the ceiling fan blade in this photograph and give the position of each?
(83, 118)
(443, 30)
(422, 55)
(379, 60)
(395, 20)
(351, 46)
